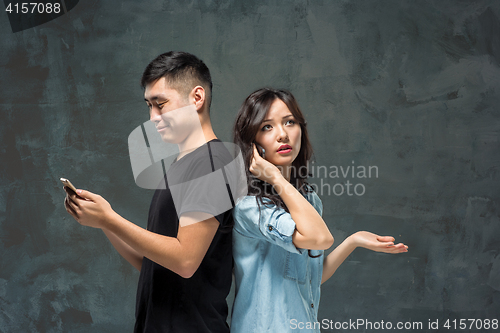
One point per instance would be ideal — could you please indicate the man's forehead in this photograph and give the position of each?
(157, 89)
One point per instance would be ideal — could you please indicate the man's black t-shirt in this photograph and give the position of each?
(167, 302)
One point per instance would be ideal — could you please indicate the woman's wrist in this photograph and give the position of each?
(352, 241)
(278, 181)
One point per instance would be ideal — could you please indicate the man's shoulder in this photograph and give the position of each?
(210, 157)
(220, 150)
(214, 149)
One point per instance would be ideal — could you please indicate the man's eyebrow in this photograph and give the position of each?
(290, 115)
(155, 98)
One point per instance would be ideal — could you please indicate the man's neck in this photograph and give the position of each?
(193, 143)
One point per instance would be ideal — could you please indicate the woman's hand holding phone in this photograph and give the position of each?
(263, 169)
(261, 151)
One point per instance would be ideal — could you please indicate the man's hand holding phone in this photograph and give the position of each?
(87, 208)
(69, 187)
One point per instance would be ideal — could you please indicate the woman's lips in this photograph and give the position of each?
(284, 149)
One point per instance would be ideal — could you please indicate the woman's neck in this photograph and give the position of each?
(285, 171)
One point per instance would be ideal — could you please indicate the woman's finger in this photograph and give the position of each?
(399, 248)
(385, 238)
(379, 244)
(256, 154)
(402, 246)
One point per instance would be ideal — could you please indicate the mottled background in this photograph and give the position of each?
(412, 87)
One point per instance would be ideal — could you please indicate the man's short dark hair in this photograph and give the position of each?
(182, 71)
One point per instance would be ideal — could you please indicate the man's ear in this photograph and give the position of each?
(199, 97)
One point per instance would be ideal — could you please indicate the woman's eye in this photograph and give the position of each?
(290, 122)
(266, 128)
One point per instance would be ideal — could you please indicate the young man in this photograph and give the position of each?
(184, 255)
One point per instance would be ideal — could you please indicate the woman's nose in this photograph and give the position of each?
(282, 134)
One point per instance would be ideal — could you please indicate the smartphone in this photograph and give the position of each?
(68, 184)
(262, 151)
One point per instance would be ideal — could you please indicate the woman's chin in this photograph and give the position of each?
(282, 162)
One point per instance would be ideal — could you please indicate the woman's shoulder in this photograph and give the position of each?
(249, 207)
(247, 215)
(247, 203)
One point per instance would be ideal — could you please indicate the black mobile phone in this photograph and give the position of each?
(262, 151)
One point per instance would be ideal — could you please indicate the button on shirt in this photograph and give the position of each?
(277, 284)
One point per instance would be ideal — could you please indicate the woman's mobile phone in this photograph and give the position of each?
(68, 184)
(262, 151)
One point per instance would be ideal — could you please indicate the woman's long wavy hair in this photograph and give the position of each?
(249, 122)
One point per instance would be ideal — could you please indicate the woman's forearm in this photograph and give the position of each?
(311, 230)
(337, 257)
(365, 239)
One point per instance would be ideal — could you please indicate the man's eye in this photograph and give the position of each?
(160, 105)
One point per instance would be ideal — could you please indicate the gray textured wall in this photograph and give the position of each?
(412, 87)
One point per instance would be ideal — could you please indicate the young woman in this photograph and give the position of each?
(279, 234)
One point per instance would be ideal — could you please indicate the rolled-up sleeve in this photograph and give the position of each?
(268, 223)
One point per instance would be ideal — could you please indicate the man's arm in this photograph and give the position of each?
(181, 255)
(125, 250)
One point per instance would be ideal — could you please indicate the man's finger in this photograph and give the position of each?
(69, 204)
(72, 198)
(69, 209)
(69, 192)
(77, 198)
(86, 195)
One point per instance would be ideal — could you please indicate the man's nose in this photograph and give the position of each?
(154, 115)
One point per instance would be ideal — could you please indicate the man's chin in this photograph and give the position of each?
(169, 139)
